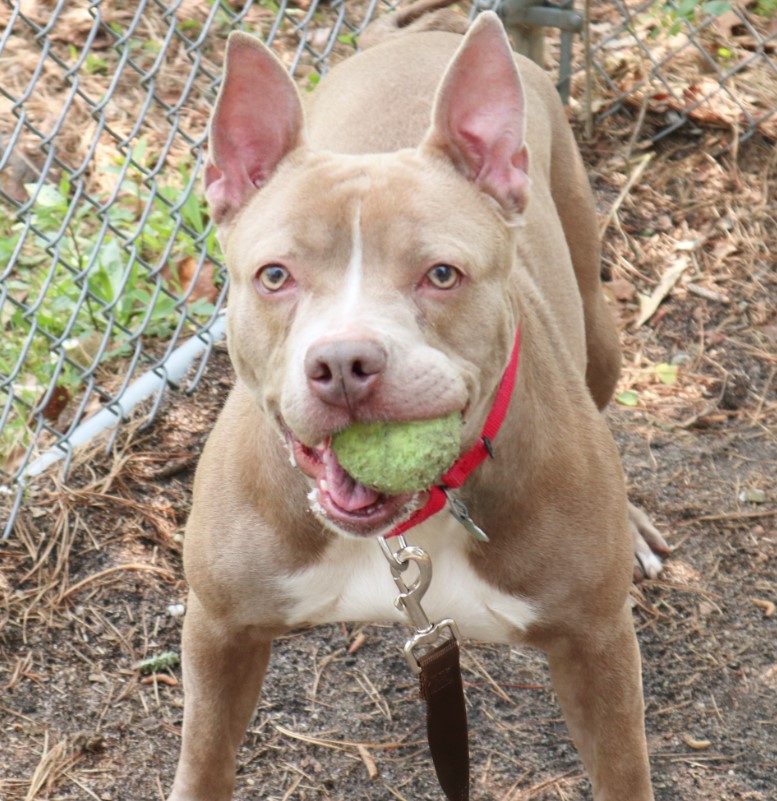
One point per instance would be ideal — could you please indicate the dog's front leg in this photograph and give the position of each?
(223, 670)
(599, 684)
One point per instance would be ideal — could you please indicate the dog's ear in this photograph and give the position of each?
(479, 115)
(257, 120)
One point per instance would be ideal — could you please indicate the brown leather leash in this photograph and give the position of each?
(438, 668)
(446, 718)
(438, 671)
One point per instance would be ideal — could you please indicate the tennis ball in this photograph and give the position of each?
(394, 458)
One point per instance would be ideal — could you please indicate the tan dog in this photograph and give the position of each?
(382, 251)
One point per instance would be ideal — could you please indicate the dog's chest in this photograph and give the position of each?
(353, 583)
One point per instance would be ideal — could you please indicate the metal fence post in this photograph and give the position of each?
(526, 21)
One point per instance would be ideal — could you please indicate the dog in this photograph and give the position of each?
(384, 246)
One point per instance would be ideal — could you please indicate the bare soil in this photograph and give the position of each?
(91, 577)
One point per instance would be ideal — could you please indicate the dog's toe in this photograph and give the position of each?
(646, 563)
(649, 545)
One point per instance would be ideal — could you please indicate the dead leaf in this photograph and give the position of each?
(184, 275)
(724, 248)
(621, 289)
(692, 742)
(56, 404)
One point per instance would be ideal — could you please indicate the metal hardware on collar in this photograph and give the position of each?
(459, 510)
(489, 446)
(409, 598)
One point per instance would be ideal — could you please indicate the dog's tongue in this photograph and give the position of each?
(346, 492)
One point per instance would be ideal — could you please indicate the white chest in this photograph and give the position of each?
(353, 583)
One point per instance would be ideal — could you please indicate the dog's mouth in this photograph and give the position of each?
(339, 499)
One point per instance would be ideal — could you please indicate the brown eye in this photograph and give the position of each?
(272, 277)
(443, 276)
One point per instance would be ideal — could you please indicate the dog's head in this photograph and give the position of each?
(368, 288)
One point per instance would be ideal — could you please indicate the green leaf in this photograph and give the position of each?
(50, 197)
(627, 398)
(687, 8)
(667, 373)
(717, 7)
(202, 307)
(753, 496)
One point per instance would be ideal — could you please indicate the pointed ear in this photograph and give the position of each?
(257, 120)
(479, 115)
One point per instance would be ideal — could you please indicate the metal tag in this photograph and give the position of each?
(459, 510)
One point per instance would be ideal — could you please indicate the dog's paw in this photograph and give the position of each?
(649, 545)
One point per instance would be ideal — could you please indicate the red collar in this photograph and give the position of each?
(469, 461)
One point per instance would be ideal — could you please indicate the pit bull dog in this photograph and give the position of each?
(384, 247)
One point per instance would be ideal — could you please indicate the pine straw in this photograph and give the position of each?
(717, 215)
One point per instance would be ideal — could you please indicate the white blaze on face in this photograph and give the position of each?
(354, 271)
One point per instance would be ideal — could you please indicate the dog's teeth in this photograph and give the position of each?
(324, 486)
(315, 503)
(290, 450)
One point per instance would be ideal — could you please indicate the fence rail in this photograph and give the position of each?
(111, 284)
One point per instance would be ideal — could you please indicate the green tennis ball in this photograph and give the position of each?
(394, 458)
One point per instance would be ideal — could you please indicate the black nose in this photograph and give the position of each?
(345, 373)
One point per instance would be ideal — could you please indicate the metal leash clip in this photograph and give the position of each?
(409, 598)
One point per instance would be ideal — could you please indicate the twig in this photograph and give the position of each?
(294, 785)
(665, 285)
(762, 399)
(369, 762)
(570, 775)
(394, 792)
(343, 745)
(707, 294)
(497, 689)
(167, 574)
(633, 178)
(728, 516)
(82, 786)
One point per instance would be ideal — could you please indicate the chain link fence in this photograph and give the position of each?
(111, 284)
(703, 63)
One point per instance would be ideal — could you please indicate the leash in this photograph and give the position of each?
(438, 669)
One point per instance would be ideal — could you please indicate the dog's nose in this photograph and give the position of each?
(345, 373)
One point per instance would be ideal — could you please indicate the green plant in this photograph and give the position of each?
(87, 279)
(313, 80)
(766, 8)
(672, 15)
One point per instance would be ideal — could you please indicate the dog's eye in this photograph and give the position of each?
(272, 277)
(443, 276)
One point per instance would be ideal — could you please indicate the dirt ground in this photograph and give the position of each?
(91, 582)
